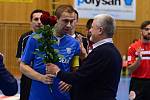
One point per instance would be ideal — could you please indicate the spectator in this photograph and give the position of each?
(79, 35)
(35, 24)
(90, 43)
(81, 38)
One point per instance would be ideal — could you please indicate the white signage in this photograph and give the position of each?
(120, 9)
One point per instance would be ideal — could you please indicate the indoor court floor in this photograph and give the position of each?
(121, 95)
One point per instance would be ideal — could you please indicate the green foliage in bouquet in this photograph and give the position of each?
(45, 36)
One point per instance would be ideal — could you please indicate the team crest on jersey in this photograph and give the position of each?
(68, 50)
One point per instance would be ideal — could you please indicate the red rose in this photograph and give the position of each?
(53, 20)
(45, 18)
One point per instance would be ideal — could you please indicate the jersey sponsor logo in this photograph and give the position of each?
(64, 60)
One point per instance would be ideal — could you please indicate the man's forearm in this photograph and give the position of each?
(134, 66)
(29, 72)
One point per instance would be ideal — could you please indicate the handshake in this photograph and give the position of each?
(53, 70)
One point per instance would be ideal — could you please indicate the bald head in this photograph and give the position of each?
(107, 22)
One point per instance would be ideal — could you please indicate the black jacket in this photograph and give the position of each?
(22, 43)
(98, 77)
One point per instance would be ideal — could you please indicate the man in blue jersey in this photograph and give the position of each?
(67, 46)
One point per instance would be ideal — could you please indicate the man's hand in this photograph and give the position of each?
(83, 53)
(52, 69)
(47, 79)
(64, 87)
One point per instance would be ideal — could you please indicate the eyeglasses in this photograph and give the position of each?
(146, 29)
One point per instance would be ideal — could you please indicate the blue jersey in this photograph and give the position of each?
(68, 47)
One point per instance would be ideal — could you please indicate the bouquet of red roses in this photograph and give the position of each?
(45, 35)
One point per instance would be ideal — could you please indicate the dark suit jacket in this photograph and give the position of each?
(8, 84)
(98, 76)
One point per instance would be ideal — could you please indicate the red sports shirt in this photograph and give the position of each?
(143, 71)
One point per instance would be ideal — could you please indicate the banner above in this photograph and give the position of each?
(119, 9)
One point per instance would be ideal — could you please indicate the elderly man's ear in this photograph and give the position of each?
(100, 30)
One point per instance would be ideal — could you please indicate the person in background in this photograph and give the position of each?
(35, 22)
(79, 36)
(8, 84)
(88, 26)
(66, 46)
(82, 39)
(98, 77)
(139, 65)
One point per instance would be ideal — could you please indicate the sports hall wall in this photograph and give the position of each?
(15, 19)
